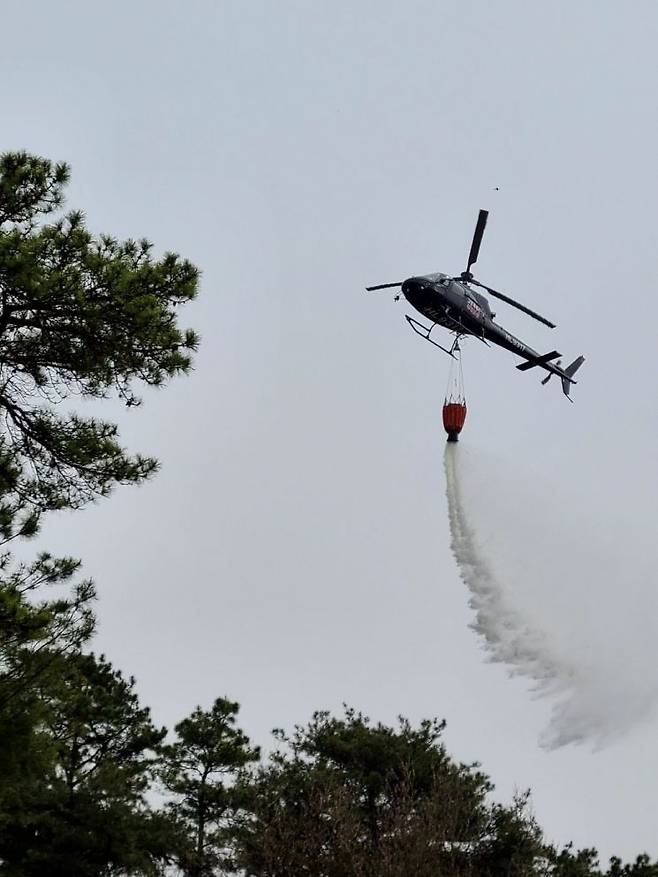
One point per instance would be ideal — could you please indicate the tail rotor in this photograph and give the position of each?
(566, 375)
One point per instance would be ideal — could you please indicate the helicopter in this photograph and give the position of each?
(451, 302)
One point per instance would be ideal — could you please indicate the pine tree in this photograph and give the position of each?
(345, 797)
(35, 632)
(84, 811)
(80, 315)
(199, 770)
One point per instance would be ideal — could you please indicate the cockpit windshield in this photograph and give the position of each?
(437, 278)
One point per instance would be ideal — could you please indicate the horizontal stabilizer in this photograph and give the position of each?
(531, 363)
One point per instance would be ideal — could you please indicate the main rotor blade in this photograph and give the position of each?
(477, 238)
(515, 304)
(382, 286)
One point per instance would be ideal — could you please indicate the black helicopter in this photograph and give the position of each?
(450, 302)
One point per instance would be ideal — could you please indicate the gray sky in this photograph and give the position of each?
(294, 551)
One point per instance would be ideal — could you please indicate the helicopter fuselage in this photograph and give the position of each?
(453, 304)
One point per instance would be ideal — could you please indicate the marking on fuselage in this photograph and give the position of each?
(439, 317)
(512, 340)
(474, 308)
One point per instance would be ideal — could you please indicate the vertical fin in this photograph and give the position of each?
(570, 371)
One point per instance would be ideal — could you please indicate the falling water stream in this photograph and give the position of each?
(586, 649)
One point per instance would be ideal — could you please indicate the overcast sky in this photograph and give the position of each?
(294, 551)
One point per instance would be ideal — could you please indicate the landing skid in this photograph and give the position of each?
(426, 333)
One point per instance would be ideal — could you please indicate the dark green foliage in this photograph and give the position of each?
(374, 758)
(585, 863)
(84, 813)
(29, 186)
(641, 867)
(512, 844)
(79, 316)
(568, 862)
(35, 632)
(31, 625)
(198, 771)
(346, 797)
